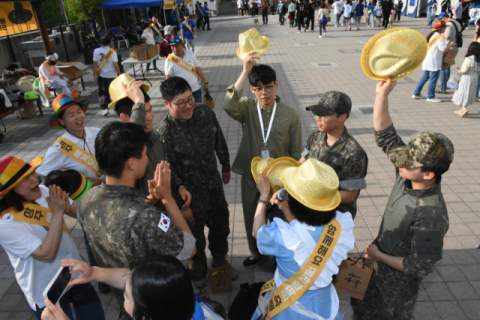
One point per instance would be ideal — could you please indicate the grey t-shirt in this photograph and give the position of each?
(458, 8)
(450, 32)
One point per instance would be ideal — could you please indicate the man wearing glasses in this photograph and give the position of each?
(192, 137)
(271, 129)
(333, 145)
(184, 64)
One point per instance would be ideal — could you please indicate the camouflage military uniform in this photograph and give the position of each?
(346, 157)
(121, 228)
(190, 148)
(413, 227)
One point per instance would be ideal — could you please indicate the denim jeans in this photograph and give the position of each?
(428, 75)
(154, 62)
(85, 302)
(337, 19)
(370, 19)
(324, 28)
(444, 76)
(430, 18)
(197, 95)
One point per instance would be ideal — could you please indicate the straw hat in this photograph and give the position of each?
(314, 184)
(25, 84)
(116, 91)
(251, 40)
(393, 53)
(258, 165)
(13, 171)
(274, 170)
(61, 103)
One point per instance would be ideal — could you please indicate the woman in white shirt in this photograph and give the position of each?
(33, 233)
(432, 64)
(322, 19)
(346, 14)
(147, 35)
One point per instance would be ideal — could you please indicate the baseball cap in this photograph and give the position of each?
(441, 15)
(331, 102)
(427, 149)
(175, 40)
(168, 29)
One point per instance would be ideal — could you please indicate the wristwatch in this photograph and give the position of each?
(262, 201)
(206, 82)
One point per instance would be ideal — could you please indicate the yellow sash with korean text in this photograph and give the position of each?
(31, 213)
(179, 62)
(78, 154)
(295, 287)
(188, 26)
(105, 60)
(433, 41)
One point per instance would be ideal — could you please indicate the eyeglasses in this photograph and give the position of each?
(259, 89)
(183, 105)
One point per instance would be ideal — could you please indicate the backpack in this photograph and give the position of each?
(284, 9)
(458, 36)
(246, 301)
(324, 20)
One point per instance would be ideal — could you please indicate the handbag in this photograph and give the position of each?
(449, 58)
(208, 100)
(352, 14)
(353, 277)
(246, 301)
(324, 20)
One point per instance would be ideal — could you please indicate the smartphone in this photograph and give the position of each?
(60, 283)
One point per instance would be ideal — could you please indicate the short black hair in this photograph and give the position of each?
(309, 216)
(172, 87)
(125, 105)
(437, 170)
(116, 143)
(261, 74)
(161, 289)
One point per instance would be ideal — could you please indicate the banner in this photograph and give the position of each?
(188, 1)
(16, 17)
(169, 4)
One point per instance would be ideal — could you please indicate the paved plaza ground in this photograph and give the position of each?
(307, 66)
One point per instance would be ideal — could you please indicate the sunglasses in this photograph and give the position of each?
(177, 40)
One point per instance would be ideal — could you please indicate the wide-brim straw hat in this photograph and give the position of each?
(393, 53)
(13, 171)
(274, 169)
(258, 165)
(25, 84)
(314, 184)
(61, 103)
(252, 40)
(116, 91)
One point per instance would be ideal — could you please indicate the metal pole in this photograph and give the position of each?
(104, 22)
(124, 18)
(11, 48)
(64, 45)
(49, 26)
(165, 17)
(47, 46)
(64, 12)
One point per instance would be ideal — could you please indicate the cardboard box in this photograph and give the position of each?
(28, 111)
(71, 70)
(135, 51)
(221, 279)
(152, 51)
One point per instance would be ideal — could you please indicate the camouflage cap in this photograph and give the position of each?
(427, 149)
(332, 102)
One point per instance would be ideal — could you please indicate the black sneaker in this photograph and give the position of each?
(103, 288)
(250, 262)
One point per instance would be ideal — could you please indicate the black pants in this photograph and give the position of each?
(103, 94)
(464, 23)
(292, 18)
(385, 21)
(300, 21)
(265, 16)
(252, 12)
(206, 22)
(397, 15)
(273, 9)
(281, 18)
(310, 19)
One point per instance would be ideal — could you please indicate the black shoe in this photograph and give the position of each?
(209, 29)
(104, 288)
(250, 262)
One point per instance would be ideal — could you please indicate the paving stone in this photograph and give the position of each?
(450, 310)
(462, 290)
(425, 310)
(450, 273)
(471, 309)
(438, 291)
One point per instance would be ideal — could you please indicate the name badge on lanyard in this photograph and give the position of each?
(265, 153)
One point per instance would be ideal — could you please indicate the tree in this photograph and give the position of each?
(52, 12)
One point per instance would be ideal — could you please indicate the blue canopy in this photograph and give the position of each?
(127, 4)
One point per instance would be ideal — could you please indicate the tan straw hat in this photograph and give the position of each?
(274, 170)
(393, 53)
(252, 40)
(258, 165)
(116, 90)
(314, 184)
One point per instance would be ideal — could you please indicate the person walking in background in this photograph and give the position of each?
(370, 14)
(281, 9)
(387, 6)
(189, 33)
(465, 15)
(245, 7)
(265, 11)
(322, 19)
(466, 93)
(272, 6)
(240, 7)
(206, 16)
(457, 11)
(346, 14)
(392, 17)
(378, 13)
(147, 35)
(432, 9)
(292, 7)
(253, 5)
(310, 15)
(301, 14)
(451, 36)
(337, 10)
(398, 9)
(359, 9)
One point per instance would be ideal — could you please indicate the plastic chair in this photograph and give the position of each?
(121, 38)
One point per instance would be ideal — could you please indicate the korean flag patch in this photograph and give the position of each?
(164, 223)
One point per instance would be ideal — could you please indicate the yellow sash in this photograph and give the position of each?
(105, 60)
(295, 287)
(431, 43)
(31, 213)
(188, 26)
(179, 62)
(156, 29)
(78, 154)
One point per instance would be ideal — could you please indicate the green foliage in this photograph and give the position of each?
(83, 9)
(52, 12)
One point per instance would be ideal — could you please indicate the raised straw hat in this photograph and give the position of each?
(258, 165)
(393, 53)
(314, 184)
(116, 90)
(274, 169)
(252, 40)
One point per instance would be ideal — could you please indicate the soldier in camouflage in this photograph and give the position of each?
(192, 136)
(120, 225)
(410, 239)
(333, 145)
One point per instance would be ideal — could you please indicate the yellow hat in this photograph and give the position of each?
(314, 184)
(258, 165)
(252, 40)
(274, 170)
(393, 53)
(116, 90)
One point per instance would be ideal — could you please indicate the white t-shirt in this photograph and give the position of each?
(239, 4)
(347, 11)
(108, 70)
(337, 7)
(56, 160)
(146, 34)
(20, 240)
(433, 60)
(458, 8)
(172, 69)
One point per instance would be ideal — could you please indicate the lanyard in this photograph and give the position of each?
(261, 122)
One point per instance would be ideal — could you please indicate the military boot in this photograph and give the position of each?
(199, 280)
(221, 262)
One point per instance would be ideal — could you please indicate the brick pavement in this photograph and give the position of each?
(452, 291)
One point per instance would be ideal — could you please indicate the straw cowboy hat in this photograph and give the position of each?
(258, 165)
(314, 184)
(393, 53)
(13, 171)
(251, 40)
(116, 91)
(25, 84)
(61, 103)
(274, 169)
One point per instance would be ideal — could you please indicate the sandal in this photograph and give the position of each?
(459, 112)
(463, 113)
(440, 91)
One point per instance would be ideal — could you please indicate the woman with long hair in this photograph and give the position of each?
(466, 93)
(322, 19)
(346, 14)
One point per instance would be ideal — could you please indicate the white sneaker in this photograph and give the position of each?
(325, 35)
(152, 71)
(105, 113)
(111, 112)
(436, 100)
(417, 96)
(336, 25)
(319, 36)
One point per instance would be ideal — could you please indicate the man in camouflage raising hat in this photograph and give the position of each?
(410, 239)
(333, 145)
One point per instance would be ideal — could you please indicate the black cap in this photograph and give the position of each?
(332, 102)
(105, 40)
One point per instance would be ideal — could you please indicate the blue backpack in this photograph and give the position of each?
(324, 20)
